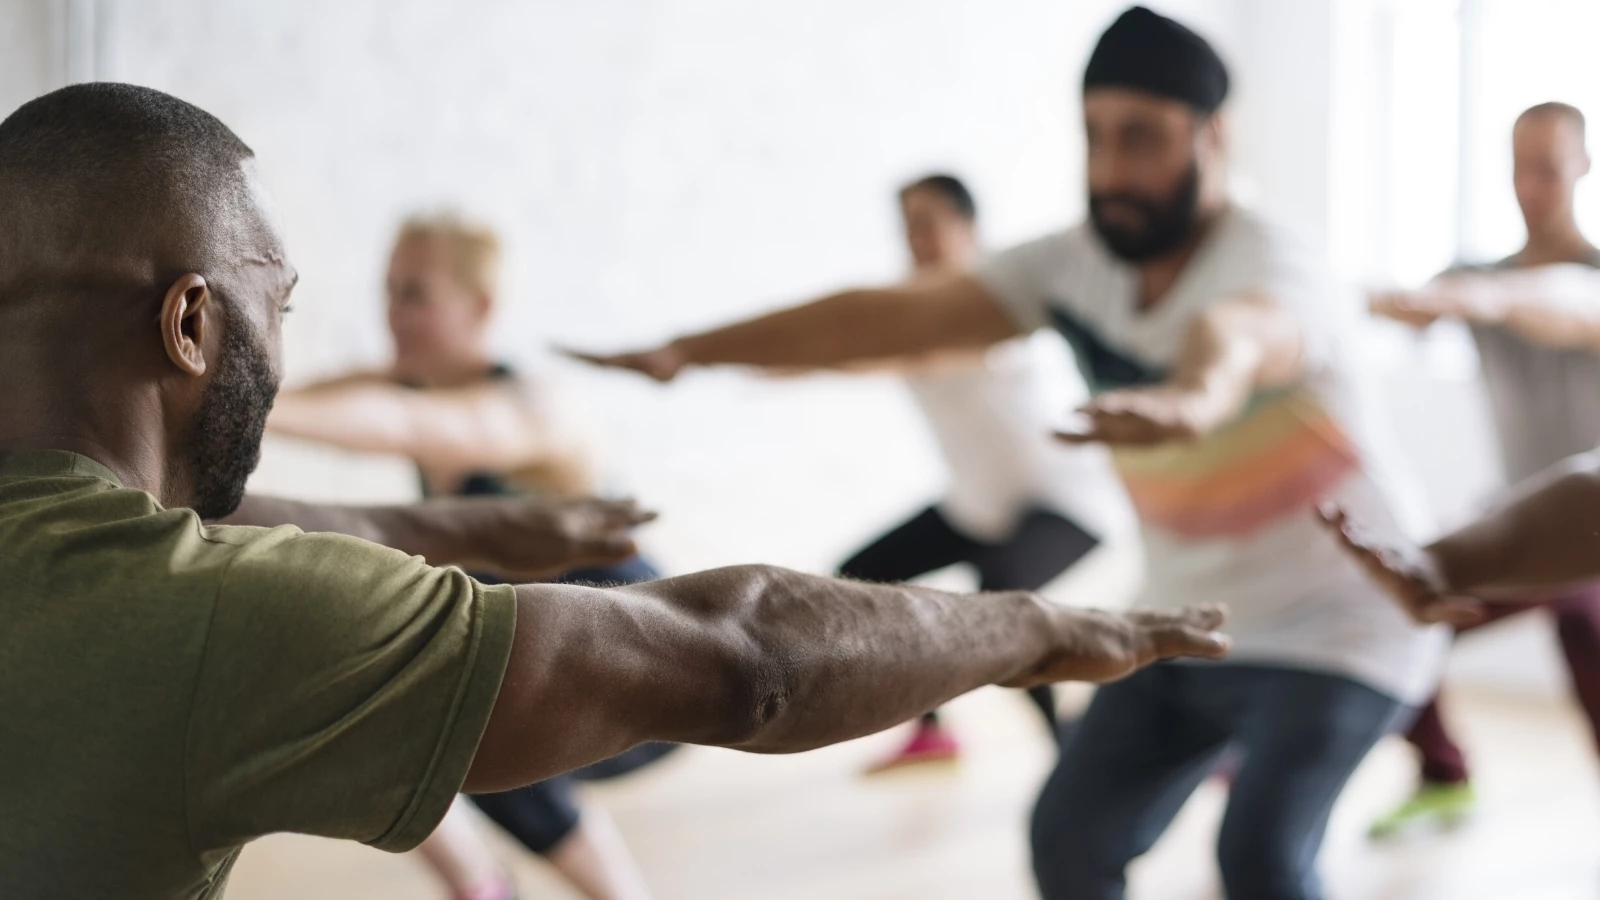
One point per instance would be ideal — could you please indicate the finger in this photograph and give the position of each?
(1175, 641)
(1355, 541)
(605, 551)
(623, 513)
(582, 356)
(1088, 435)
(1208, 617)
(1458, 612)
(593, 515)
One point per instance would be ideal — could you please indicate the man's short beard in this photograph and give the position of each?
(1168, 222)
(224, 442)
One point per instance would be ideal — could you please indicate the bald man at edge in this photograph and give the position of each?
(172, 690)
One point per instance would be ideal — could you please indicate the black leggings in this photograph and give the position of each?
(1044, 545)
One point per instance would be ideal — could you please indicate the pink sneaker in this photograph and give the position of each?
(930, 743)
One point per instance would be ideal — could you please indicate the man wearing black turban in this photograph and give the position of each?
(1218, 352)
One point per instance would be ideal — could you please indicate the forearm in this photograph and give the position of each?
(408, 528)
(753, 657)
(485, 426)
(839, 659)
(854, 327)
(360, 419)
(1557, 306)
(1229, 352)
(812, 660)
(1546, 537)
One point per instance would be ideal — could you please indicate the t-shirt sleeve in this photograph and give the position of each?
(1021, 278)
(343, 692)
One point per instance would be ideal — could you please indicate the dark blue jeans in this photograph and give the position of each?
(1147, 742)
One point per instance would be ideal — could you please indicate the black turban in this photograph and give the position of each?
(1149, 52)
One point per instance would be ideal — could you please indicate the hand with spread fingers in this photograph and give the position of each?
(1142, 416)
(661, 364)
(1098, 646)
(1411, 576)
(521, 538)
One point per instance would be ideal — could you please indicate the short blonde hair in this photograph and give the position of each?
(474, 247)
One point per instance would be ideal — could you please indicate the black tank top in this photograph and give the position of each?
(478, 484)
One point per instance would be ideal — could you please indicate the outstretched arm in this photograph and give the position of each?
(1546, 537)
(1557, 306)
(512, 537)
(773, 661)
(839, 330)
(480, 427)
(1232, 349)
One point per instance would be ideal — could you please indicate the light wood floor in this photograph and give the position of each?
(715, 825)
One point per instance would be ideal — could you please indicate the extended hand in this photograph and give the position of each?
(663, 363)
(1412, 578)
(1103, 646)
(1142, 416)
(1457, 296)
(528, 538)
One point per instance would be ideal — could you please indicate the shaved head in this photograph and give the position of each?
(1548, 161)
(142, 275)
(99, 182)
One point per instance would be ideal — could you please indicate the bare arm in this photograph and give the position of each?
(1556, 305)
(485, 426)
(513, 537)
(773, 661)
(1232, 349)
(836, 331)
(1544, 538)
(1547, 535)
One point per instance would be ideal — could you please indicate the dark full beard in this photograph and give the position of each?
(1168, 222)
(224, 444)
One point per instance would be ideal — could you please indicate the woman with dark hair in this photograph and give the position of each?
(1020, 508)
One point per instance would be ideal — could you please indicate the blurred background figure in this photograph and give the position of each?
(1220, 356)
(473, 426)
(1019, 508)
(1535, 320)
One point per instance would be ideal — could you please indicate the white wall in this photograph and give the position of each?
(662, 164)
(655, 166)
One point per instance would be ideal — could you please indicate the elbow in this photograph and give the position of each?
(764, 699)
(761, 677)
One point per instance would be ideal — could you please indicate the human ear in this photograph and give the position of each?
(187, 315)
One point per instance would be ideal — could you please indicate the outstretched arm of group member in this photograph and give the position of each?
(486, 426)
(774, 661)
(851, 327)
(1547, 536)
(512, 537)
(1557, 305)
(1233, 348)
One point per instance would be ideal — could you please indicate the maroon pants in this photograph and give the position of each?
(1577, 618)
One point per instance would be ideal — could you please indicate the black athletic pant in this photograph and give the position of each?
(542, 815)
(1044, 545)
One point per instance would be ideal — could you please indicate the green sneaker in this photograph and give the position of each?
(1433, 806)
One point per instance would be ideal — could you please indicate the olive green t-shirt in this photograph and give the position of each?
(171, 690)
